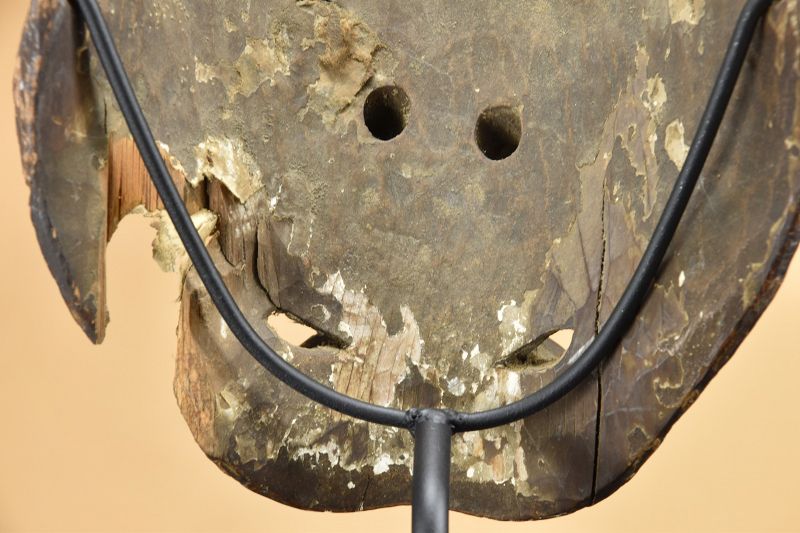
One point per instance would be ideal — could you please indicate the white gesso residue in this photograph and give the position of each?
(383, 464)
(501, 313)
(456, 386)
(273, 202)
(513, 389)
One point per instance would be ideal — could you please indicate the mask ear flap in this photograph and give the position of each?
(83, 179)
(64, 148)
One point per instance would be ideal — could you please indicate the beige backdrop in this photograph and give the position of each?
(91, 438)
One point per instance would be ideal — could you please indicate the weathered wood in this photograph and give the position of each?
(433, 273)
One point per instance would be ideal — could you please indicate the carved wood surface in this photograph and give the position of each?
(433, 274)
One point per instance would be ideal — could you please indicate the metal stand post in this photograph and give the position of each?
(430, 498)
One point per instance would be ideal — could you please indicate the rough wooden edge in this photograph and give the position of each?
(772, 282)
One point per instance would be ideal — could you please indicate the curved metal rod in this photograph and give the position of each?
(605, 343)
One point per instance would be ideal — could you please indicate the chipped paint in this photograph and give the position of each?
(175, 164)
(227, 160)
(377, 362)
(346, 65)
(168, 250)
(456, 386)
(655, 96)
(675, 144)
(259, 63)
(515, 323)
(382, 464)
(634, 120)
(688, 11)
(330, 448)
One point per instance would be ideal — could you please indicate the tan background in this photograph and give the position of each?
(91, 438)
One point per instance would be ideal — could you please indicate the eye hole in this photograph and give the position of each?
(386, 112)
(498, 132)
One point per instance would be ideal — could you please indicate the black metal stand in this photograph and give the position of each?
(430, 497)
(433, 429)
